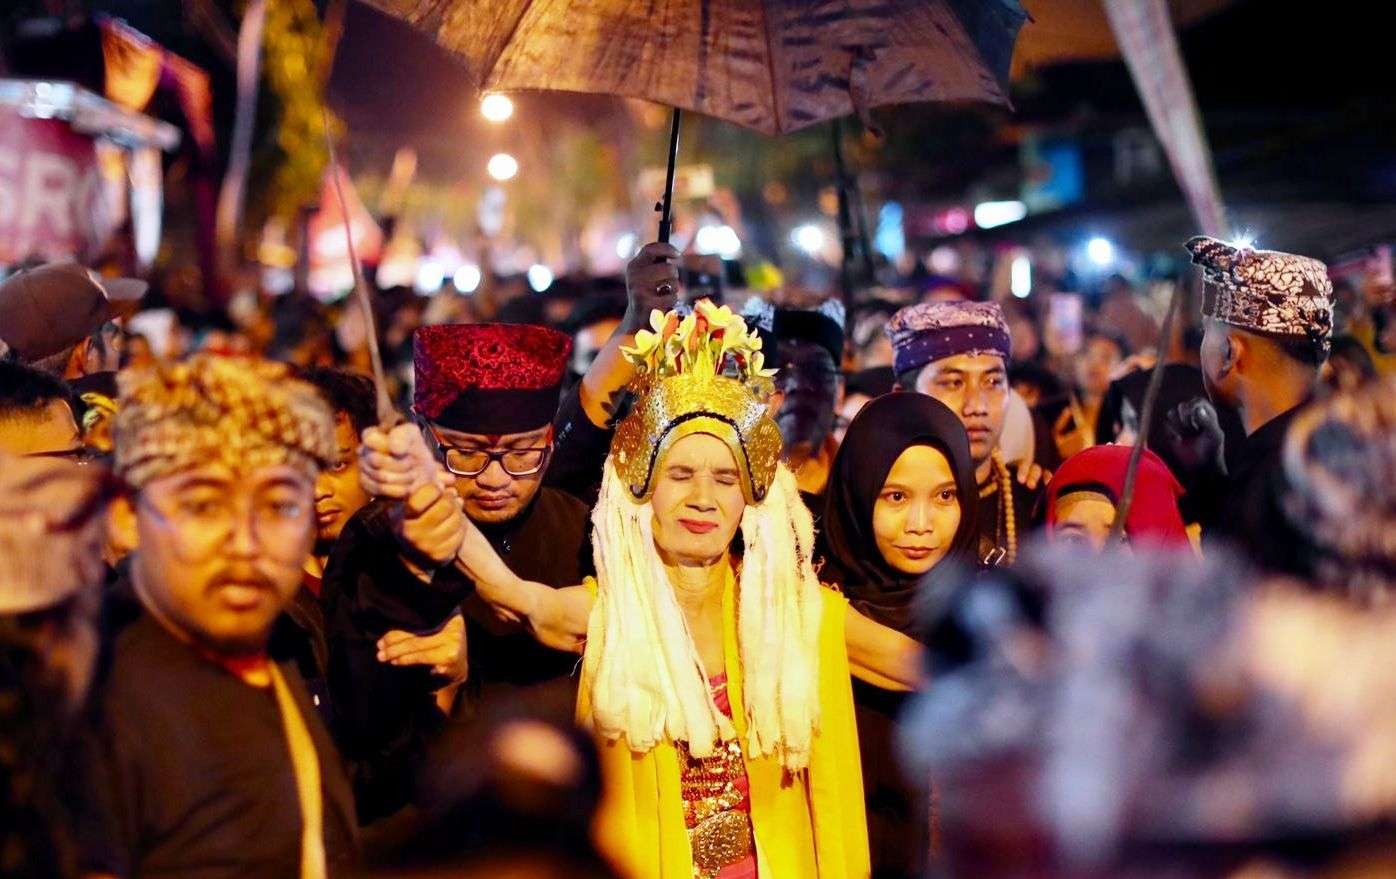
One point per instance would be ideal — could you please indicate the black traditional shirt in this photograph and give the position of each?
(194, 772)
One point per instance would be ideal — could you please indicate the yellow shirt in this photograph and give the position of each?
(807, 826)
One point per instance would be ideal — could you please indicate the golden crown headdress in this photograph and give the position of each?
(698, 373)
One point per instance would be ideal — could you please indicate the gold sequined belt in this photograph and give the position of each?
(718, 832)
(720, 841)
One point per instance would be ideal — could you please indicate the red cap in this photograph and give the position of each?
(489, 378)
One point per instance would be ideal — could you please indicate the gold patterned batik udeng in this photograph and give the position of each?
(238, 411)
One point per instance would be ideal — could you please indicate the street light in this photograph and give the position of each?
(502, 167)
(496, 108)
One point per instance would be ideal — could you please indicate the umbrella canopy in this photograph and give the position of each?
(771, 65)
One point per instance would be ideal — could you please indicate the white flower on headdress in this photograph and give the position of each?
(711, 339)
(649, 347)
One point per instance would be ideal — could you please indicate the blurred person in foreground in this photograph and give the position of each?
(1268, 319)
(1152, 714)
(1349, 366)
(51, 524)
(1340, 462)
(521, 804)
(958, 352)
(210, 758)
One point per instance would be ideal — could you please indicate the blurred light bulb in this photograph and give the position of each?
(1020, 276)
(625, 245)
(502, 166)
(989, 214)
(496, 107)
(467, 278)
(720, 240)
(430, 276)
(540, 277)
(1100, 251)
(808, 237)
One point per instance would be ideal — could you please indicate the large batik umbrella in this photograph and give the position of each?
(771, 65)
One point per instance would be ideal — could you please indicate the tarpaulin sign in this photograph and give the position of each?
(53, 204)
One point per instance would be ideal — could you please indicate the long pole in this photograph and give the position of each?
(1146, 418)
(666, 207)
(387, 414)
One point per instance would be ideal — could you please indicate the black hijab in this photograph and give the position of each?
(879, 434)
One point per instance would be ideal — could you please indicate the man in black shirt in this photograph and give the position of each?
(485, 397)
(1268, 322)
(208, 757)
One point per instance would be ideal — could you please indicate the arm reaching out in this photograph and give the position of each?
(881, 656)
(556, 617)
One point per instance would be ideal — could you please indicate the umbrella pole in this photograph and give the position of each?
(666, 207)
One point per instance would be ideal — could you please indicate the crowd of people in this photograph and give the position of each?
(621, 581)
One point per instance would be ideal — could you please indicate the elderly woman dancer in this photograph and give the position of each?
(716, 670)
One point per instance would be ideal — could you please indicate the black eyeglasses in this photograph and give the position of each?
(473, 462)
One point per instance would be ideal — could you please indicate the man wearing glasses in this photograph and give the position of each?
(485, 397)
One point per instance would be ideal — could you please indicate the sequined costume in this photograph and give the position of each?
(766, 781)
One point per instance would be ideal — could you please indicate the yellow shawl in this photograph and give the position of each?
(807, 826)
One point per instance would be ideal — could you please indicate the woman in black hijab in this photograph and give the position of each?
(859, 544)
(899, 522)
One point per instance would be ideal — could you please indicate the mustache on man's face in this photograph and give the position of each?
(240, 575)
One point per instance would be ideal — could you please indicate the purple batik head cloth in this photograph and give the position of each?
(1265, 291)
(932, 331)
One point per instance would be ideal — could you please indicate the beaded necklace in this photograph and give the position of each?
(1006, 528)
